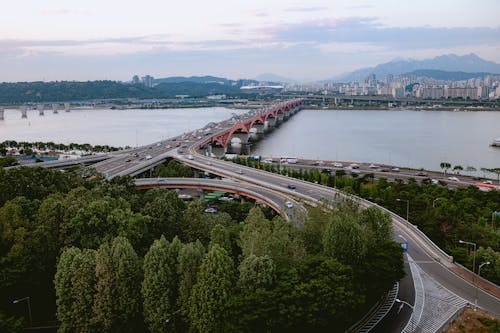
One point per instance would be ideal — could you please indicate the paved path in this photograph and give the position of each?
(434, 304)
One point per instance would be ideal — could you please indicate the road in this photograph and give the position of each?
(432, 260)
(273, 199)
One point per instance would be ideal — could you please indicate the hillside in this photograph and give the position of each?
(61, 91)
(470, 63)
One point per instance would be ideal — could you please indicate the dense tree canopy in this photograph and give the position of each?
(103, 256)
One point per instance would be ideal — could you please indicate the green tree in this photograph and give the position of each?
(212, 290)
(220, 235)
(457, 169)
(160, 284)
(379, 223)
(190, 257)
(256, 272)
(118, 298)
(345, 240)
(445, 166)
(63, 285)
(83, 287)
(470, 169)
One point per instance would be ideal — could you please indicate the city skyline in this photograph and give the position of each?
(61, 40)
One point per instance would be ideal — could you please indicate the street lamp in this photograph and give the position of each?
(474, 257)
(29, 306)
(479, 274)
(410, 306)
(407, 208)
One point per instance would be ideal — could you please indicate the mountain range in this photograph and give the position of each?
(469, 63)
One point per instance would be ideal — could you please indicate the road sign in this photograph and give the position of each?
(404, 245)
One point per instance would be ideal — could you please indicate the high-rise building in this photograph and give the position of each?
(135, 79)
(148, 81)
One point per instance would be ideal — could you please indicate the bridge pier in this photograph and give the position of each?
(54, 108)
(40, 109)
(66, 107)
(24, 112)
(270, 123)
(218, 151)
(1, 113)
(280, 118)
(243, 137)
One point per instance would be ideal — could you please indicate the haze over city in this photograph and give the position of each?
(93, 40)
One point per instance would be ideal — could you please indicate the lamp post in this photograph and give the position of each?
(474, 257)
(407, 208)
(410, 306)
(479, 274)
(29, 306)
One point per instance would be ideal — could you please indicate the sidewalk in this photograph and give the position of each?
(476, 281)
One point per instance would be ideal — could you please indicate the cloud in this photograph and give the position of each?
(63, 12)
(369, 30)
(306, 9)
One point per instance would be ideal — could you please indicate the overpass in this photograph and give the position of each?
(273, 199)
(213, 140)
(428, 260)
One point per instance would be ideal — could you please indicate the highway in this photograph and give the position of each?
(274, 189)
(424, 253)
(276, 200)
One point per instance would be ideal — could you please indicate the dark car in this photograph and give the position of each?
(291, 186)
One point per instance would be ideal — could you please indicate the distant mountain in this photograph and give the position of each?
(447, 75)
(450, 62)
(270, 77)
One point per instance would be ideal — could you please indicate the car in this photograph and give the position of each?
(455, 179)
(422, 174)
(395, 169)
(211, 210)
(435, 181)
(337, 165)
(289, 204)
(385, 169)
(128, 160)
(148, 157)
(291, 186)
(190, 157)
(354, 166)
(373, 166)
(489, 182)
(239, 171)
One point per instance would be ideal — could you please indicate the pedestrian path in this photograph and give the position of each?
(434, 304)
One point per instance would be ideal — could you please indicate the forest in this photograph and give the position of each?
(444, 215)
(99, 256)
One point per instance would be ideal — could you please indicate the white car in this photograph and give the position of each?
(289, 204)
(455, 179)
(337, 165)
(190, 157)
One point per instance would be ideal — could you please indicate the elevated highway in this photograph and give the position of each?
(275, 200)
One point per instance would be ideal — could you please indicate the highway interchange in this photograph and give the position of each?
(274, 188)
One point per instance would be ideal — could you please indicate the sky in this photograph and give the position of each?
(302, 40)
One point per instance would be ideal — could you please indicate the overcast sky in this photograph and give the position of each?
(303, 40)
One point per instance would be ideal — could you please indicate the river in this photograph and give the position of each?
(108, 127)
(417, 139)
